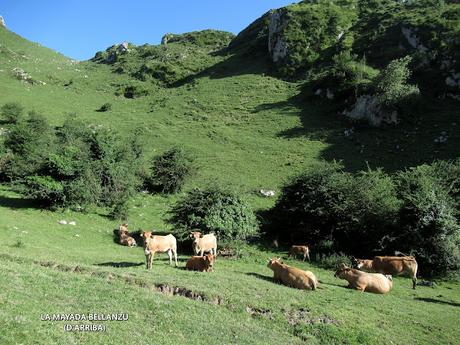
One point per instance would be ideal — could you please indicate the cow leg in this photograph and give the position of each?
(414, 282)
(151, 260)
(170, 257)
(308, 256)
(147, 262)
(304, 256)
(175, 256)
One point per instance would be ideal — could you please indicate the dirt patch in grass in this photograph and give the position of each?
(257, 312)
(303, 316)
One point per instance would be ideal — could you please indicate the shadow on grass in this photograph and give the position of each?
(433, 300)
(260, 276)
(18, 203)
(122, 264)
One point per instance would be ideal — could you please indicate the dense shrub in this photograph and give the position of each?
(369, 213)
(72, 166)
(224, 213)
(27, 144)
(105, 107)
(326, 203)
(170, 171)
(429, 225)
(391, 86)
(12, 112)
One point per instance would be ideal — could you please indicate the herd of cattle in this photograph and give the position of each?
(369, 275)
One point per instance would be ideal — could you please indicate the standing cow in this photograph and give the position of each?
(394, 265)
(300, 250)
(204, 243)
(154, 243)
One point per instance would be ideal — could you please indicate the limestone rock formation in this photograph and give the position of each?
(277, 46)
(2, 22)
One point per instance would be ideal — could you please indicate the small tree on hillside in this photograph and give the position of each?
(12, 112)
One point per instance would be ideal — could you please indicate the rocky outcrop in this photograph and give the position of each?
(367, 108)
(277, 46)
(2, 22)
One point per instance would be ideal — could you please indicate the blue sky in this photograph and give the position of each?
(80, 28)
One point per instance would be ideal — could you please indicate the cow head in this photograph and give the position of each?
(342, 271)
(123, 227)
(271, 262)
(209, 259)
(195, 235)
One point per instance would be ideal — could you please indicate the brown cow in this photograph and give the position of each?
(291, 276)
(154, 243)
(125, 238)
(394, 265)
(302, 250)
(363, 281)
(204, 243)
(201, 263)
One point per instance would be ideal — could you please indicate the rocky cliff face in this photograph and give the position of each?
(277, 46)
(2, 22)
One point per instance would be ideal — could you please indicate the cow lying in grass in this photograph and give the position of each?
(204, 243)
(394, 265)
(125, 238)
(291, 276)
(201, 263)
(154, 243)
(300, 250)
(363, 281)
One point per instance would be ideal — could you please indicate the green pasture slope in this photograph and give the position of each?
(50, 268)
(246, 129)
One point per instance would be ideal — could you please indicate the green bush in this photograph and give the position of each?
(327, 204)
(429, 224)
(170, 171)
(12, 112)
(333, 261)
(105, 107)
(392, 89)
(224, 213)
(45, 189)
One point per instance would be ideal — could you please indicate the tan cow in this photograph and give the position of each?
(291, 276)
(363, 281)
(299, 250)
(125, 238)
(154, 243)
(201, 263)
(204, 243)
(394, 265)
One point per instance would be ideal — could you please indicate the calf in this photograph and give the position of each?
(201, 263)
(204, 243)
(299, 250)
(125, 238)
(154, 243)
(291, 276)
(363, 281)
(394, 265)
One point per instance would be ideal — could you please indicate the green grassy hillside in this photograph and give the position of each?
(251, 124)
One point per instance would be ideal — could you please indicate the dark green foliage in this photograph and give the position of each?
(429, 218)
(134, 91)
(391, 86)
(27, 143)
(328, 204)
(74, 165)
(201, 38)
(12, 112)
(44, 189)
(368, 213)
(105, 107)
(333, 261)
(224, 213)
(170, 171)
